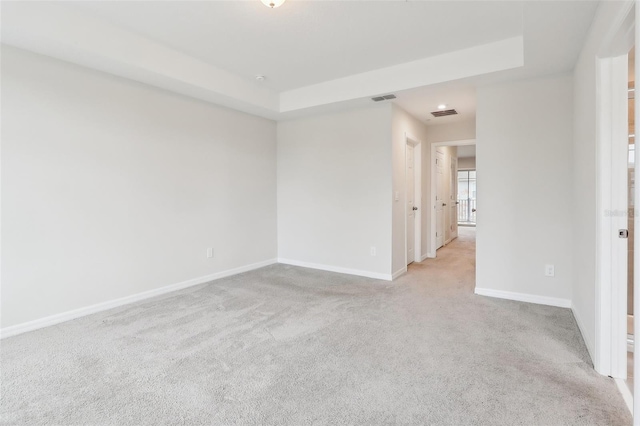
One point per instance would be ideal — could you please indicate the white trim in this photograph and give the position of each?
(626, 393)
(581, 328)
(398, 273)
(99, 307)
(425, 257)
(453, 190)
(431, 243)
(339, 269)
(619, 295)
(635, 403)
(523, 297)
(613, 131)
(462, 142)
(417, 166)
(609, 349)
(604, 266)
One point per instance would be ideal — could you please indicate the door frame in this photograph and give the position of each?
(439, 210)
(613, 201)
(431, 250)
(610, 357)
(417, 197)
(453, 181)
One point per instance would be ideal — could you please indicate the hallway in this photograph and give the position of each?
(455, 263)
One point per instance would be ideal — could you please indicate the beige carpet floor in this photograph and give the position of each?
(288, 345)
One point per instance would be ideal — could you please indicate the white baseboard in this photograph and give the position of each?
(399, 273)
(426, 256)
(523, 297)
(88, 310)
(626, 393)
(585, 337)
(360, 273)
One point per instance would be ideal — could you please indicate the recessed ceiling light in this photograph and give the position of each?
(442, 106)
(272, 3)
(260, 77)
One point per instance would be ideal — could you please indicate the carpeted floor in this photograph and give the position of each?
(288, 345)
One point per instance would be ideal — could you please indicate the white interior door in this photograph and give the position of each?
(411, 205)
(440, 204)
(453, 198)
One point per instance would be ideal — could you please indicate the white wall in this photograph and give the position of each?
(585, 214)
(466, 163)
(524, 208)
(456, 131)
(402, 123)
(111, 188)
(334, 191)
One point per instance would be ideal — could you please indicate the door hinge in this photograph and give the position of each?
(623, 233)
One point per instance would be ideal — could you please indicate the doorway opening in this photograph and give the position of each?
(452, 197)
(467, 188)
(467, 196)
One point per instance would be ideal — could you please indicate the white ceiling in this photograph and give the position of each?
(458, 95)
(316, 55)
(305, 42)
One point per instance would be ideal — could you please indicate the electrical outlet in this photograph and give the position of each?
(549, 270)
(373, 251)
(210, 252)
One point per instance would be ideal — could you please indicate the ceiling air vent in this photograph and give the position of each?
(444, 113)
(383, 98)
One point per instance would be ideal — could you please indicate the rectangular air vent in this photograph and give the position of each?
(444, 113)
(383, 98)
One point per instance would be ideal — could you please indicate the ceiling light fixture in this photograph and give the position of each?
(272, 3)
(442, 106)
(260, 77)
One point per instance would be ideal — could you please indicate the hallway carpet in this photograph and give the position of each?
(288, 345)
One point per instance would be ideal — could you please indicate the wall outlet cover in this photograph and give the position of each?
(549, 270)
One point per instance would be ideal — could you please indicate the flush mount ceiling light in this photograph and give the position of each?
(260, 77)
(272, 3)
(442, 106)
